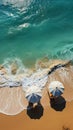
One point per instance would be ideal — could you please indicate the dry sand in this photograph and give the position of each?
(48, 119)
(47, 116)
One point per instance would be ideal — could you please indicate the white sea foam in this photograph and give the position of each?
(18, 28)
(17, 3)
(28, 80)
(25, 25)
(35, 82)
(22, 75)
(11, 99)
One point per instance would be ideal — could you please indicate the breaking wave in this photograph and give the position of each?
(15, 78)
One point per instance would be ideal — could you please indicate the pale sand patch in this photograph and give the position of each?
(12, 100)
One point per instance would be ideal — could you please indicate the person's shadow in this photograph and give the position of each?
(35, 112)
(58, 103)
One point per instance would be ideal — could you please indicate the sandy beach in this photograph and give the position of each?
(50, 116)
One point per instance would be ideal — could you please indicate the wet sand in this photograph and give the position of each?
(48, 118)
(48, 115)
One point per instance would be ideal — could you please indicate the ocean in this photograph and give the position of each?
(32, 29)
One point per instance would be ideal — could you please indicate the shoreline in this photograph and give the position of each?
(13, 99)
(44, 117)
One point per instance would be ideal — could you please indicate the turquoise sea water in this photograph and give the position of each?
(32, 29)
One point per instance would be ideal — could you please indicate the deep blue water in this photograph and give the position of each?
(31, 29)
